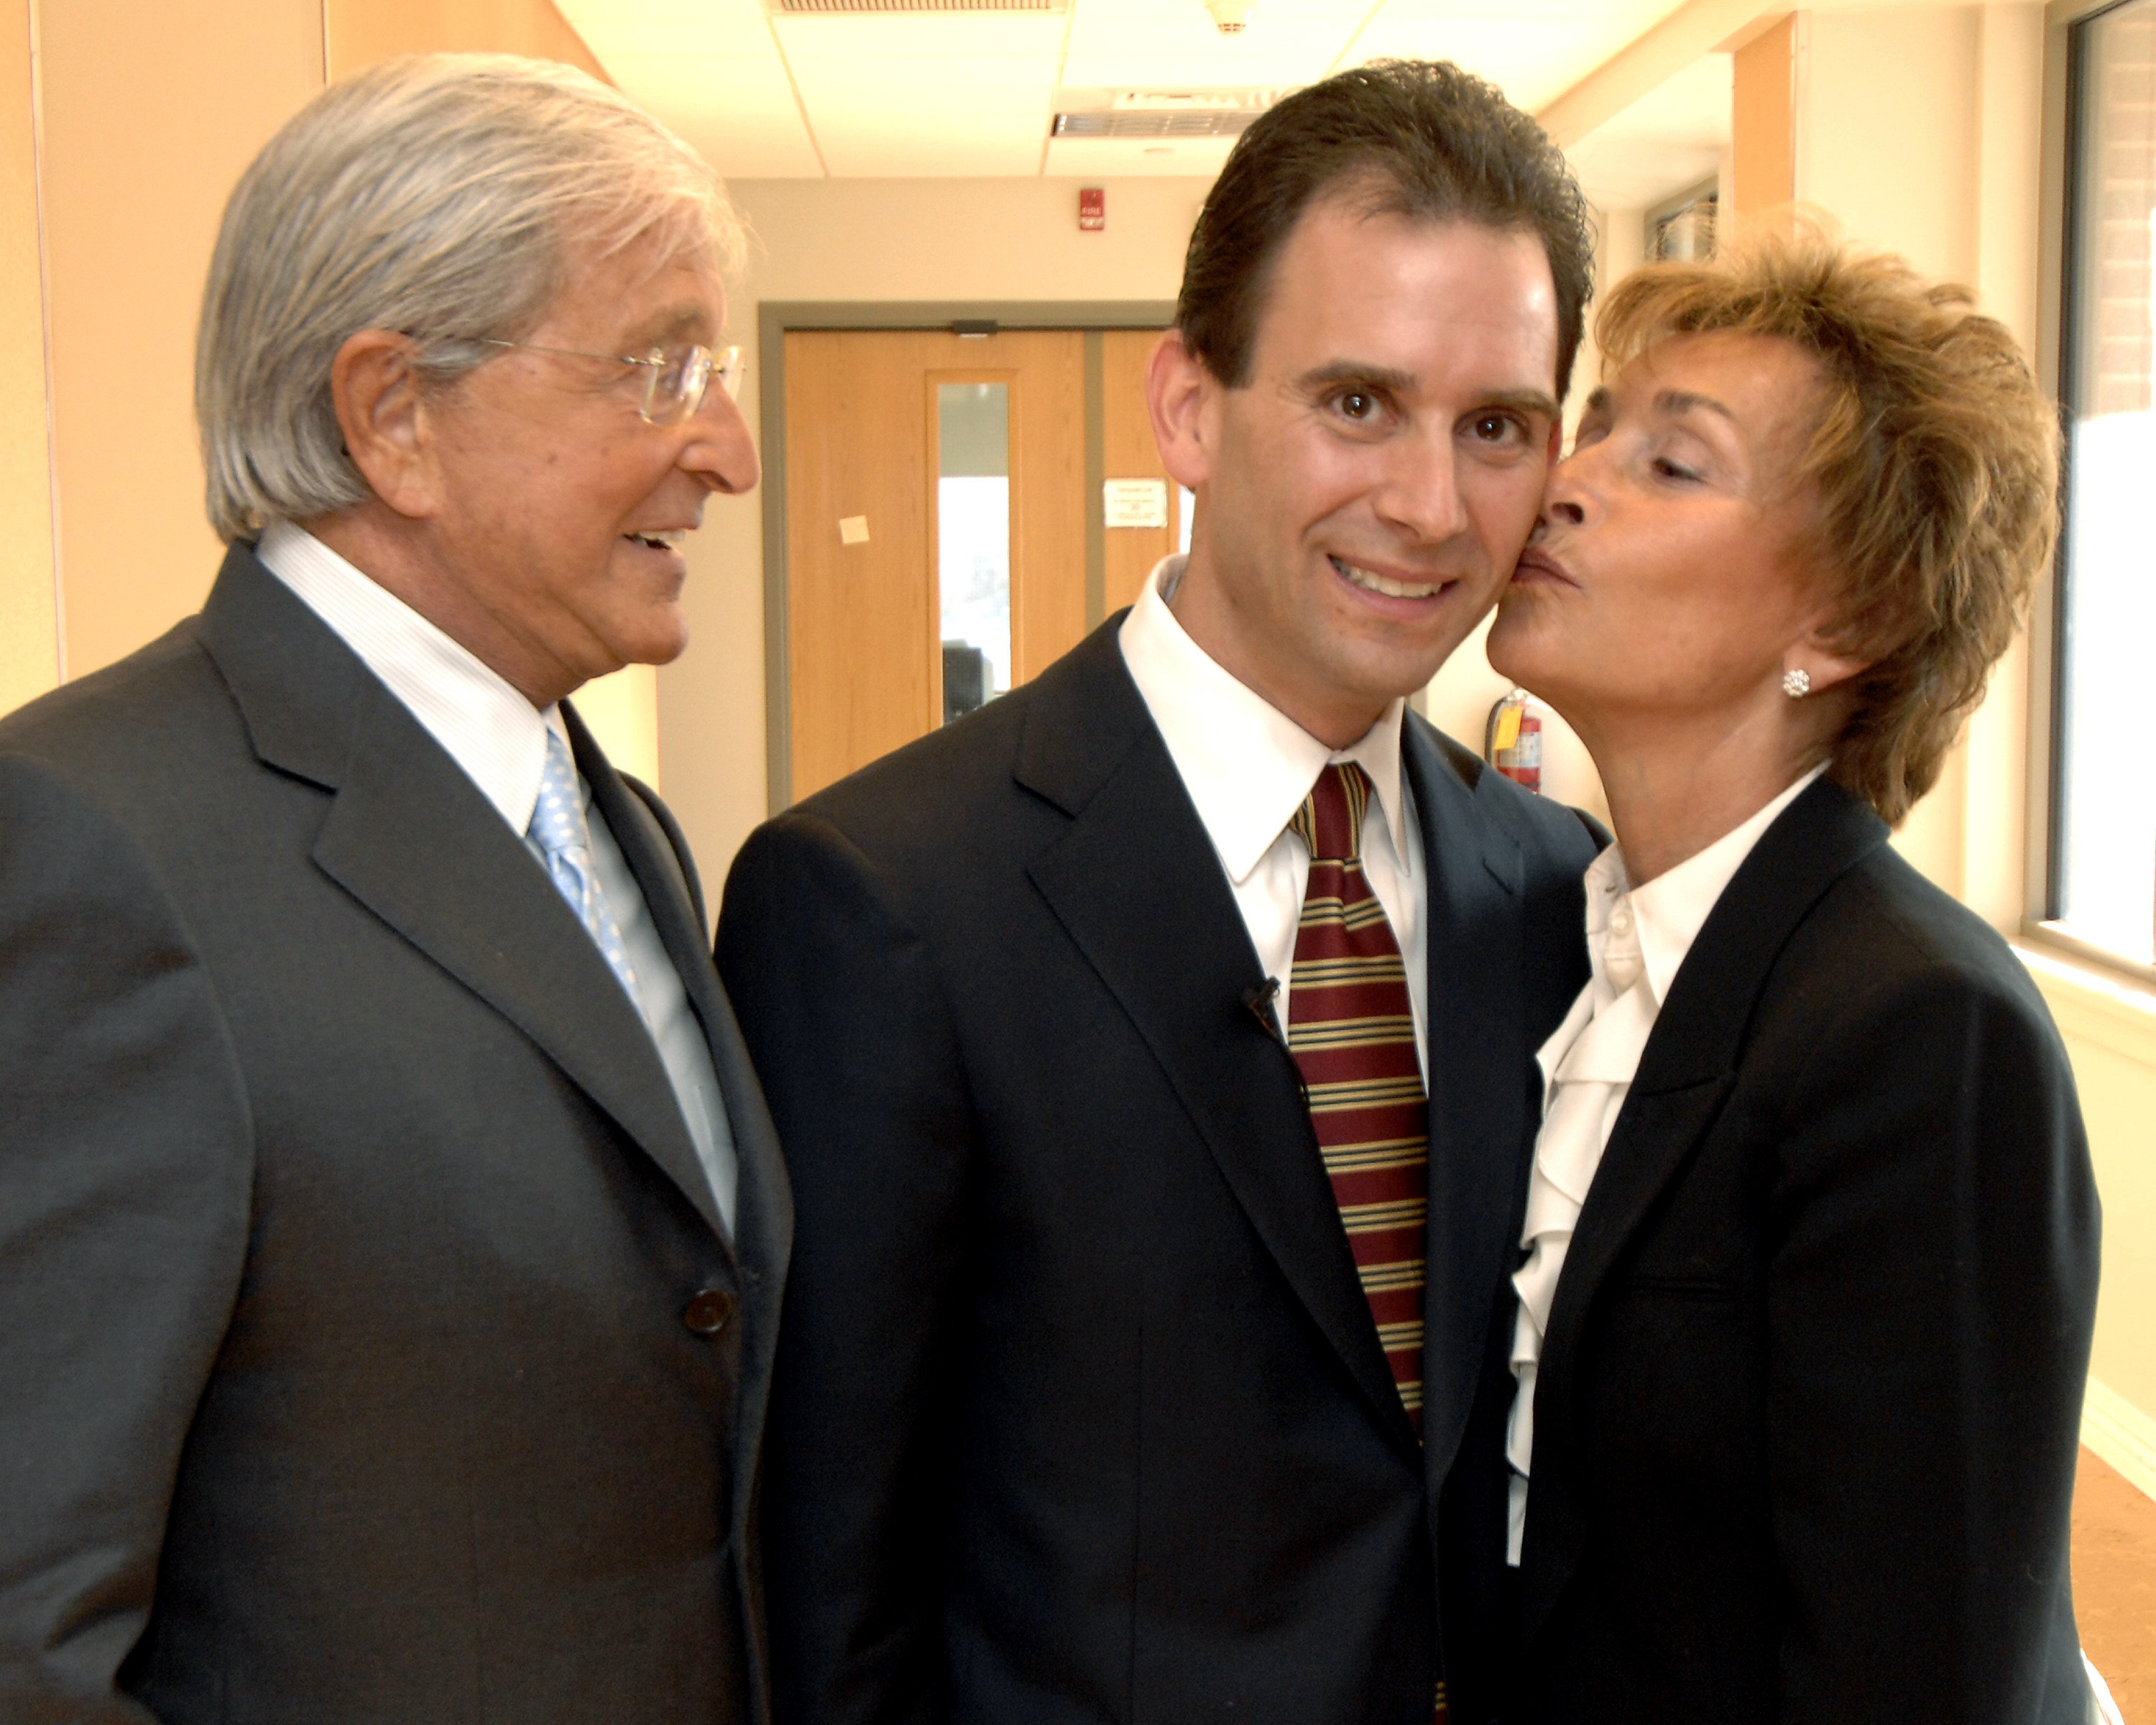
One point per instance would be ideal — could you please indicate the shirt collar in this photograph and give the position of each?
(1246, 764)
(1672, 908)
(487, 727)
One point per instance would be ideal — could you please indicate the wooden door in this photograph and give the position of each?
(1127, 451)
(864, 616)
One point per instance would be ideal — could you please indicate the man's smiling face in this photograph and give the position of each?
(1364, 496)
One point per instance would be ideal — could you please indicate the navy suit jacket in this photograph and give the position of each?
(1080, 1412)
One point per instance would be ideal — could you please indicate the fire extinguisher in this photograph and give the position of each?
(1513, 740)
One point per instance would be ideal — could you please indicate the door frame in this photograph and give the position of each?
(774, 318)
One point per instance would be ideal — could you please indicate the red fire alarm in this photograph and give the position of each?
(1092, 209)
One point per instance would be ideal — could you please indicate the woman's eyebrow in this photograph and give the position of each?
(1685, 401)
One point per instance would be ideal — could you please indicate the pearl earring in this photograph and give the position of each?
(1796, 684)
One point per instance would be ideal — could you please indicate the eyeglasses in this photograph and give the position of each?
(674, 378)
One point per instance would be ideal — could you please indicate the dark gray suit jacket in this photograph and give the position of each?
(1080, 1414)
(349, 1228)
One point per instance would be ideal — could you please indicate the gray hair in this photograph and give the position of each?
(440, 196)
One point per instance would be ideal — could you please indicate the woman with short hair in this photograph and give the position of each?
(1810, 1242)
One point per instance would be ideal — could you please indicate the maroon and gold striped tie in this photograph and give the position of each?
(1351, 1028)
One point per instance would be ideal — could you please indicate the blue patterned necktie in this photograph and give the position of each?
(558, 830)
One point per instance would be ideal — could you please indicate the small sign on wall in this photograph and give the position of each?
(1092, 209)
(853, 529)
(1134, 503)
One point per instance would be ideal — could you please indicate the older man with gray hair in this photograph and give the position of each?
(391, 1230)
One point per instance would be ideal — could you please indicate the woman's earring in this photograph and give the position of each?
(1796, 684)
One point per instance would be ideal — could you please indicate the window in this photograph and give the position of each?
(2102, 886)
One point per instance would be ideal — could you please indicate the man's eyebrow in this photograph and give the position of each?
(1525, 401)
(1348, 371)
(1685, 401)
(674, 323)
(1399, 382)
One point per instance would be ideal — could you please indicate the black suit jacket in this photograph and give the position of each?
(1806, 1415)
(347, 1221)
(1080, 1412)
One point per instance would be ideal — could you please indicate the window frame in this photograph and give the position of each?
(2057, 282)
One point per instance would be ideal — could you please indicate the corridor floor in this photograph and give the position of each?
(2115, 1585)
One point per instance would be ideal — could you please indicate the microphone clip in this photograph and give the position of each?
(1260, 997)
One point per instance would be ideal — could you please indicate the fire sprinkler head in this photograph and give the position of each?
(1228, 16)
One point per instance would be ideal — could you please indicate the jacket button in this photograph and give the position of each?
(707, 1311)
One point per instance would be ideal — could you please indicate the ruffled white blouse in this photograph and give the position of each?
(1637, 938)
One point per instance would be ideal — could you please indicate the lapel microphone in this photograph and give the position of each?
(1258, 997)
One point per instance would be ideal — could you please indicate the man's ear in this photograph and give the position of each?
(382, 411)
(1180, 392)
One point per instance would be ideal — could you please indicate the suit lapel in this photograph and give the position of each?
(1477, 1105)
(410, 837)
(1685, 1075)
(1136, 850)
(763, 1213)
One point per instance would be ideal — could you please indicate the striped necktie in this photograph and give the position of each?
(1351, 1028)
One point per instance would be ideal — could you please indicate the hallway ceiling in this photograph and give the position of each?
(768, 95)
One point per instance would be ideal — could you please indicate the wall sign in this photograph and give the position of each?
(1134, 503)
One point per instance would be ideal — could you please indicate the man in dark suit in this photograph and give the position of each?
(390, 1228)
(1154, 1048)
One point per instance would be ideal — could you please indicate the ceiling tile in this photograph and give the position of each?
(740, 114)
(1531, 60)
(946, 35)
(963, 94)
(969, 93)
(696, 26)
(1640, 12)
(1154, 44)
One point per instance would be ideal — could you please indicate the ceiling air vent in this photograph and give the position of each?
(1162, 114)
(854, 8)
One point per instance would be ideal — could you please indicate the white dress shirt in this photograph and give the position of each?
(499, 739)
(1637, 938)
(1247, 766)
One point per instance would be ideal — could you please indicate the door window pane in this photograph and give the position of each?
(972, 549)
(2104, 884)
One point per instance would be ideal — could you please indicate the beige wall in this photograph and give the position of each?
(358, 33)
(29, 620)
(869, 240)
(152, 109)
